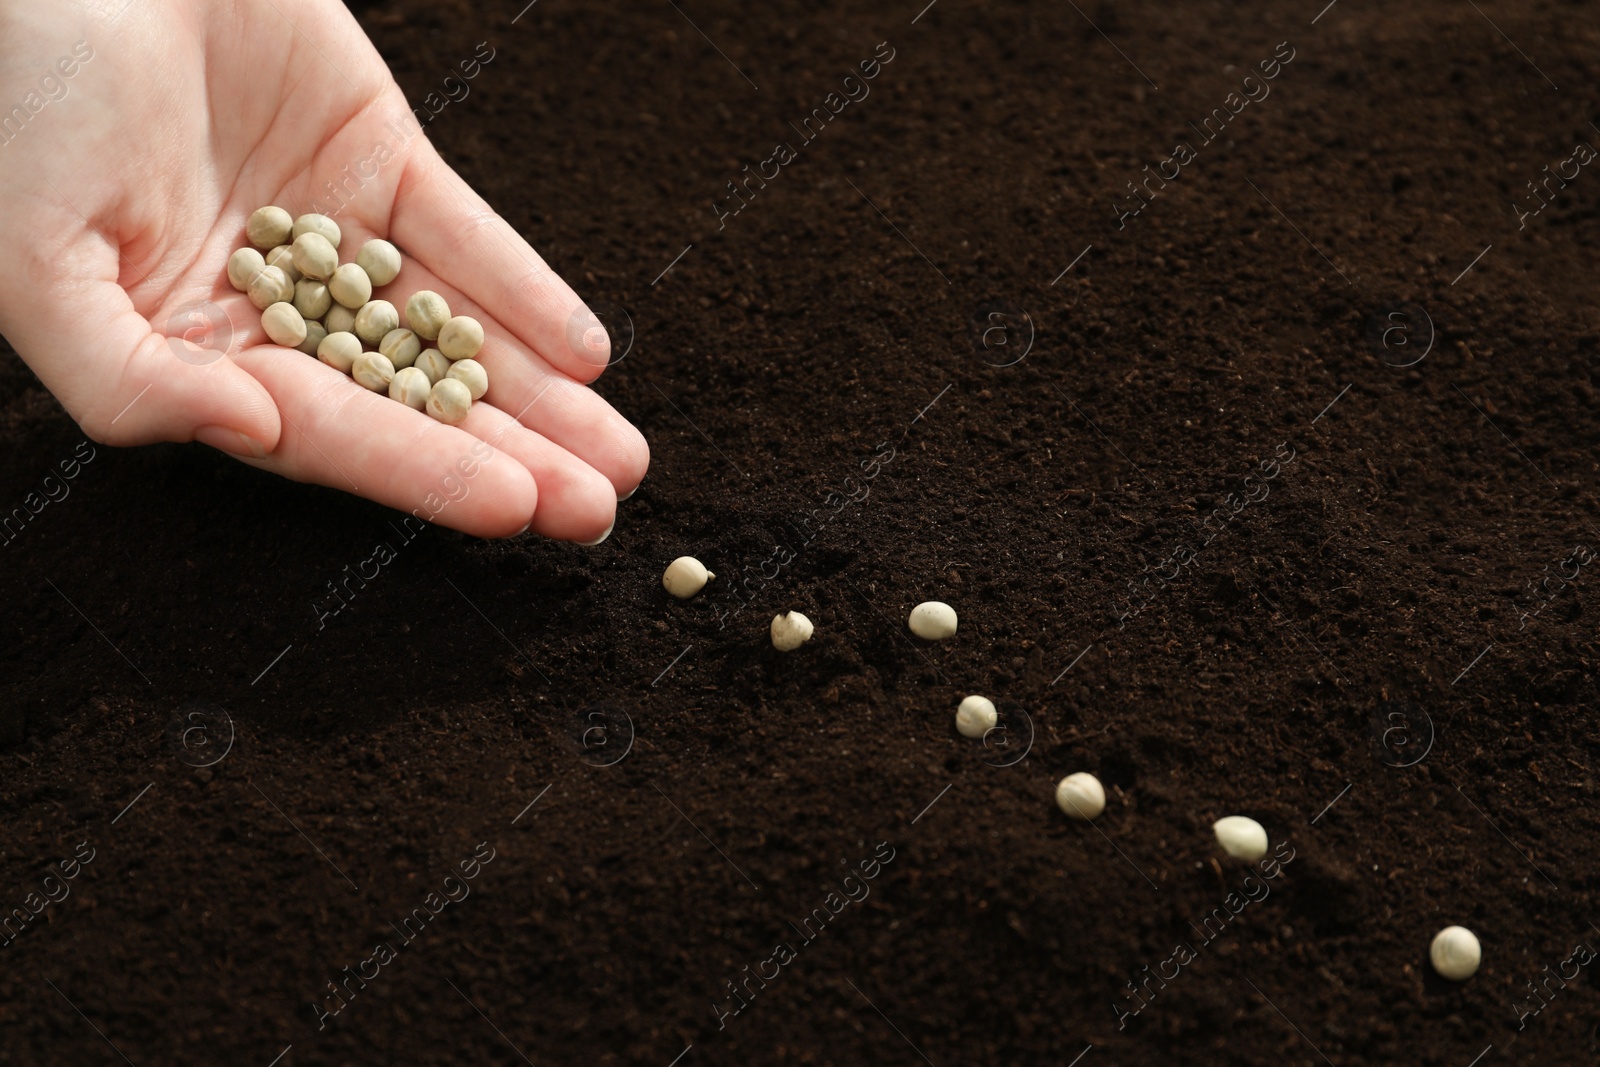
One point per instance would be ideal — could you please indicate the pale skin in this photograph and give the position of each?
(125, 196)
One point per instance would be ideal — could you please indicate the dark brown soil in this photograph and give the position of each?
(1365, 635)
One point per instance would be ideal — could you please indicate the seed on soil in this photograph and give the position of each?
(339, 351)
(470, 373)
(685, 576)
(449, 401)
(411, 387)
(380, 260)
(284, 325)
(461, 337)
(350, 286)
(1240, 837)
(789, 630)
(269, 287)
(243, 265)
(315, 256)
(374, 321)
(976, 716)
(933, 621)
(1455, 953)
(321, 225)
(1081, 796)
(268, 227)
(402, 348)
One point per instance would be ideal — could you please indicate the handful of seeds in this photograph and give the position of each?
(311, 302)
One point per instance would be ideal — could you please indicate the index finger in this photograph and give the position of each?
(456, 234)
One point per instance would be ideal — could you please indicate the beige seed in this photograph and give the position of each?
(311, 298)
(244, 265)
(315, 333)
(426, 314)
(380, 260)
(373, 370)
(470, 373)
(339, 319)
(339, 351)
(432, 363)
(685, 576)
(269, 287)
(315, 256)
(350, 286)
(461, 337)
(411, 387)
(449, 401)
(318, 224)
(269, 226)
(402, 348)
(284, 325)
(282, 257)
(1081, 796)
(375, 319)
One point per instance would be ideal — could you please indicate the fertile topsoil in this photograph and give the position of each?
(871, 386)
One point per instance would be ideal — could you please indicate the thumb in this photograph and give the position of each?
(128, 384)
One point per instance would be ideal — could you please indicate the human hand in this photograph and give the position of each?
(129, 186)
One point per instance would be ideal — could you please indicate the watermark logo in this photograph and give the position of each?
(1400, 336)
(1402, 734)
(199, 333)
(1008, 742)
(1002, 334)
(604, 735)
(200, 734)
(588, 327)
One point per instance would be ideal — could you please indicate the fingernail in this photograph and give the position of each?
(628, 494)
(596, 347)
(230, 441)
(602, 537)
(524, 530)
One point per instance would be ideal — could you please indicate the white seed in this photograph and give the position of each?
(685, 576)
(315, 256)
(426, 314)
(372, 370)
(1240, 837)
(976, 716)
(339, 351)
(340, 319)
(461, 337)
(315, 333)
(269, 287)
(789, 630)
(244, 265)
(284, 325)
(380, 260)
(282, 257)
(268, 226)
(432, 363)
(311, 298)
(411, 387)
(1081, 796)
(1455, 953)
(317, 224)
(933, 621)
(374, 321)
(470, 373)
(350, 286)
(402, 348)
(449, 401)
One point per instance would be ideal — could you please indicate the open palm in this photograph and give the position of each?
(126, 195)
